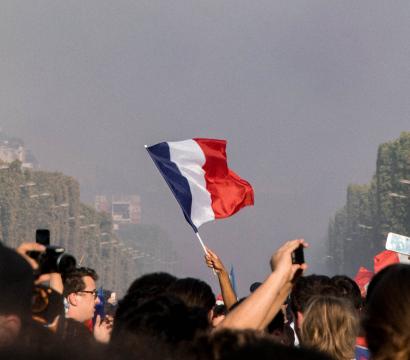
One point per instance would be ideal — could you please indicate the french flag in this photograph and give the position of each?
(197, 173)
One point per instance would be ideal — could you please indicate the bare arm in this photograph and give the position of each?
(228, 294)
(262, 305)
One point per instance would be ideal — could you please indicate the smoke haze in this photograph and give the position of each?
(304, 92)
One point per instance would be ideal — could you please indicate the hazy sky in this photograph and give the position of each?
(304, 92)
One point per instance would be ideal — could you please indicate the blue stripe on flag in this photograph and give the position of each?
(176, 181)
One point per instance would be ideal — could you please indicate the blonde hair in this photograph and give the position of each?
(330, 325)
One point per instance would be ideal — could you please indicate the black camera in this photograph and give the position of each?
(54, 259)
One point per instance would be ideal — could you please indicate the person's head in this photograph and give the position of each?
(303, 290)
(330, 325)
(151, 285)
(249, 344)
(348, 289)
(281, 331)
(16, 290)
(145, 288)
(194, 293)
(387, 318)
(165, 318)
(81, 293)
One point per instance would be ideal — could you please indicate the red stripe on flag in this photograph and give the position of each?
(229, 193)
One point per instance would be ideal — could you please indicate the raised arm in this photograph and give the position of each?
(214, 262)
(263, 304)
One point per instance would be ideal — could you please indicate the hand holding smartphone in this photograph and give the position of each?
(298, 256)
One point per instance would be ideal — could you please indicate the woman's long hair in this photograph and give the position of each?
(330, 325)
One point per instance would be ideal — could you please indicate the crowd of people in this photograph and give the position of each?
(287, 316)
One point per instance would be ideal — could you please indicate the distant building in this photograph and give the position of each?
(126, 209)
(12, 149)
(9, 154)
(102, 204)
(123, 209)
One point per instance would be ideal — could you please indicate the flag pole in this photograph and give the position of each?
(201, 242)
(203, 247)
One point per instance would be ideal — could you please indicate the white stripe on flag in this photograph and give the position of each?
(189, 158)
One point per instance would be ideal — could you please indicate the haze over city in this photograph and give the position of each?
(304, 92)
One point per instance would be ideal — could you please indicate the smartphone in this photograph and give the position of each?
(298, 256)
(43, 237)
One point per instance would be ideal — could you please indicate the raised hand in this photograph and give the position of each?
(26, 247)
(281, 261)
(214, 262)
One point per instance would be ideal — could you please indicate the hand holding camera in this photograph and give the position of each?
(25, 249)
(45, 258)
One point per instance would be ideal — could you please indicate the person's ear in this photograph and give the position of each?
(210, 315)
(72, 299)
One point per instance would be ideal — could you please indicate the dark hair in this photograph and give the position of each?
(249, 344)
(16, 283)
(254, 286)
(387, 316)
(151, 285)
(165, 318)
(374, 282)
(145, 288)
(305, 288)
(277, 323)
(194, 293)
(348, 289)
(74, 282)
(220, 310)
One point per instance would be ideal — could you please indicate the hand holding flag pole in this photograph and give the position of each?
(204, 248)
(197, 173)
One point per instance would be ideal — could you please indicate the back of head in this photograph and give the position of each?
(305, 288)
(16, 283)
(151, 285)
(330, 325)
(164, 318)
(347, 288)
(387, 320)
(145, 288)
(194, 293)
(248, 344)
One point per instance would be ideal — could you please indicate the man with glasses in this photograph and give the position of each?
(80, 293)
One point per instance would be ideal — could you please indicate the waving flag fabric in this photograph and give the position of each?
(197, 173)
(385, 258)
(362, 279)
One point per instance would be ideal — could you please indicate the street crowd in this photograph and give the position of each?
(288, 316)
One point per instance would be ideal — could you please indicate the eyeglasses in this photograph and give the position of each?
(93, 292)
